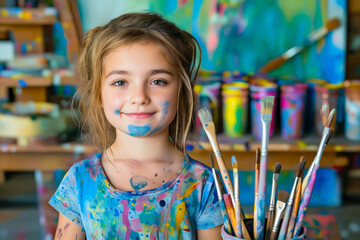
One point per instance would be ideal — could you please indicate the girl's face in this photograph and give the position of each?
(139, 90)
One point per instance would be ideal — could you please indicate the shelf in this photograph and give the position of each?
(27, 16)
(56, 78)
(14, 157)
(26, 81)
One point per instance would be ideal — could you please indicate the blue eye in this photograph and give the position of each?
(119, 83)
(159, 82)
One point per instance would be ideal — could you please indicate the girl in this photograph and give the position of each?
(137, 102)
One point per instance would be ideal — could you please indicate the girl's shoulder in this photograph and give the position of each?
(198, 168)
(90, 165)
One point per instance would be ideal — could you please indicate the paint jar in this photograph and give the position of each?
(249, 225)
(310, 103)
(292, 101)
(352, 110)
(329, 92)
(235, 76)
(207, 96)
(259, 89)
(235, 108)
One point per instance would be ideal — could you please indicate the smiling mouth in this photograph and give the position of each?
(139, 115)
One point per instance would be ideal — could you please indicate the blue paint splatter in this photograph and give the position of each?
(22, 83)
(117, 112)
(138, 131)
(138, 182)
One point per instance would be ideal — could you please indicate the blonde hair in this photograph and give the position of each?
(179, 47)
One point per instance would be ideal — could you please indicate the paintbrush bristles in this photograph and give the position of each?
(332, 24)
(267, 104)
(277, 168)
(205, 116)
(283, 196)
(301, 167)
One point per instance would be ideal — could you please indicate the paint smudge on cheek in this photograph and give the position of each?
(117, 112)
(138, 131)
(164, 112)
(138, 182)
(59, 235)
(66, 226)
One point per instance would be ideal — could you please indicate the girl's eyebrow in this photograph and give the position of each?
(153, 72)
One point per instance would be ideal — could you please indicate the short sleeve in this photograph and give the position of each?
(210, 213)
(65, 200)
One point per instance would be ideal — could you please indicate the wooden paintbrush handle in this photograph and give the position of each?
(273, 64)
(260, 203)
(305, 202)
(291, 226)
(225, 176)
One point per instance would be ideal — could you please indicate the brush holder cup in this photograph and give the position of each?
(249, 225)
(235, 108)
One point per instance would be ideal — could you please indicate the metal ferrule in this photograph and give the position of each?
(273, 191)
(293, 191)
(320, 150)
(265, 138)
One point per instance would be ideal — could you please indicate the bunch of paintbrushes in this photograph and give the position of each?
(285, 218)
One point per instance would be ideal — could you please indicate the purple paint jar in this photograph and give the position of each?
(329, 92)
(292, 102)
(249, 225)
(259, 89)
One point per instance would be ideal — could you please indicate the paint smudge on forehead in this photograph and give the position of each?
(138, 131)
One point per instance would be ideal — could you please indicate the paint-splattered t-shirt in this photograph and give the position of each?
(173, 211)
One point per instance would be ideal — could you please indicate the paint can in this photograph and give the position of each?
(259, 89)
(235, 76)
(310, 103)
(352, 110)
(207, 96)
(235, 108)
(292, 101)
(329, 92)
(249, 225)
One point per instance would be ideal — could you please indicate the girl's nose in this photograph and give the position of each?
(139, 95)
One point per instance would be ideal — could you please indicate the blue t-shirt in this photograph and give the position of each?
(173, 211)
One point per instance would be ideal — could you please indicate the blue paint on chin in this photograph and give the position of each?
(138, 131)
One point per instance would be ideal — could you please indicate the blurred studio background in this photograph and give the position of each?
(39, 44)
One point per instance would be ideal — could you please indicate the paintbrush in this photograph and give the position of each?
(209, 127)
(230, 210)
(313, 37)
(307, 194)
(280, 207)
(236, 196)
(227, 224)
(257, 169)
(271, 216)
(290, 202)
(241, 230)
(327, 133)
(267, 105)
(290, 230)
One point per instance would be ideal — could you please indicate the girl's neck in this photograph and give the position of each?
(154, 148)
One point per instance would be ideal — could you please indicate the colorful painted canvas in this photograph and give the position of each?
(244, 35)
